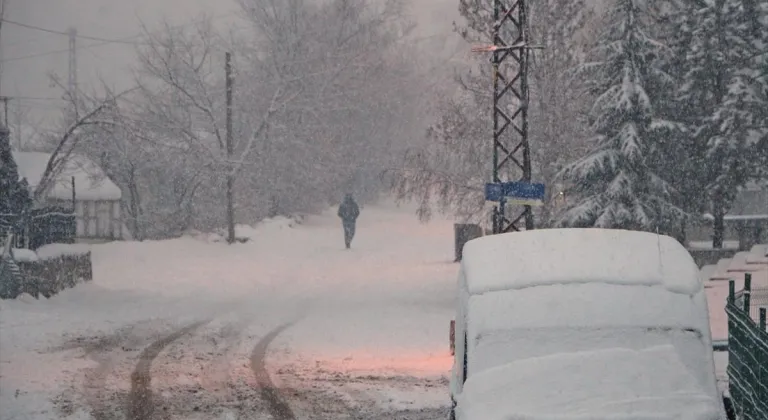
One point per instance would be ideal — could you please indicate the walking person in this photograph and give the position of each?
(348, 212)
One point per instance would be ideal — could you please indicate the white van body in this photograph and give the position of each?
(582, 324)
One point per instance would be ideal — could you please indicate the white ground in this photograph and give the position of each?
(370, 334)
(365, 337)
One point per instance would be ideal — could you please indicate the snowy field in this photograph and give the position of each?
(287, 326)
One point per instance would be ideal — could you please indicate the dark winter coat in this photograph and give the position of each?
(348, 210)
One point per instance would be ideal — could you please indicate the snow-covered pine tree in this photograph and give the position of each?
(681, 27)
(738, 124)
(720, 46)
(617, 183)
(14, 193)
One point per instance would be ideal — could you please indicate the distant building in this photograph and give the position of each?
(96, 198)
(746, 224)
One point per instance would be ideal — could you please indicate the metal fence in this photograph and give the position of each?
(40, 227)
(758, 299)
(747, 354)
(9, 224)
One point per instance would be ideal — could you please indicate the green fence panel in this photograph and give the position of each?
(747, 355)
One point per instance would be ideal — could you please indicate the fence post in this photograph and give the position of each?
(731, 292)
(762, 319)
(452, 336)
(747, 291)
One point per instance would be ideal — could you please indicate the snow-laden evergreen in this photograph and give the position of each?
(697, 64)
(738, 121)
(14, 192)
(720, 51)
(616, 184)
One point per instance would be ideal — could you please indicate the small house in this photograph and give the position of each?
(80, 185)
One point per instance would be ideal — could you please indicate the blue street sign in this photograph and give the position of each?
(524, 193)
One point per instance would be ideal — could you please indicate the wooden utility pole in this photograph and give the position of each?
(230, 175)
(5, 100)
(72, 82)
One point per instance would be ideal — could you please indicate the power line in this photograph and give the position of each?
(43, 54)
(24, 41)
(101, 43)
(51, 31)
(33, 98)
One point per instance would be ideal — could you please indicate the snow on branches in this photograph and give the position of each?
(616, 183)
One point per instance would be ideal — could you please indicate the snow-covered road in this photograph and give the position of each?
(287, 326)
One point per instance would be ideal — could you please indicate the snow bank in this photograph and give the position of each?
(706, 273)
(716, 283)
(758, 254)
(59, 250)
(22, 255)
(26, 298)
(651, 384)
(721, 270)
(265, 227)
(738, 263)
(566, 256)
(708, 245)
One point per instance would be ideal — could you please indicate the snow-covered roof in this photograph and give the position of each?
(603, 384)
(571, 256)
(90, 181)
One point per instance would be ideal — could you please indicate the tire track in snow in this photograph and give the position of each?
(278, 408)
(103, 350)
(217, 379)
(96, 379)
(140, 404)
(216, 376)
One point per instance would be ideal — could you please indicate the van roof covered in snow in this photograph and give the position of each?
(572, 256)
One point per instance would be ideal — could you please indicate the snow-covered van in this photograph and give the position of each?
(582, 324)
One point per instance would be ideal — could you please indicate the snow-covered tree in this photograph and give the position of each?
(617, 184)
(344, 60)
(720, 46)
(449, 170)
(694, 68)
(322, 95)
(94, 111)
(14, 192)
(738, 126)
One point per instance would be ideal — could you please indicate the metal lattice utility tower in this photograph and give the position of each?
(511, 150)
(72, 85)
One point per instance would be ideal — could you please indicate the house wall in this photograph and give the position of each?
(96, 219)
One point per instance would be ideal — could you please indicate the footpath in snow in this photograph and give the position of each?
(194, 328)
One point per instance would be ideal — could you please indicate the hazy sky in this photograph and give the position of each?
(30, 55)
